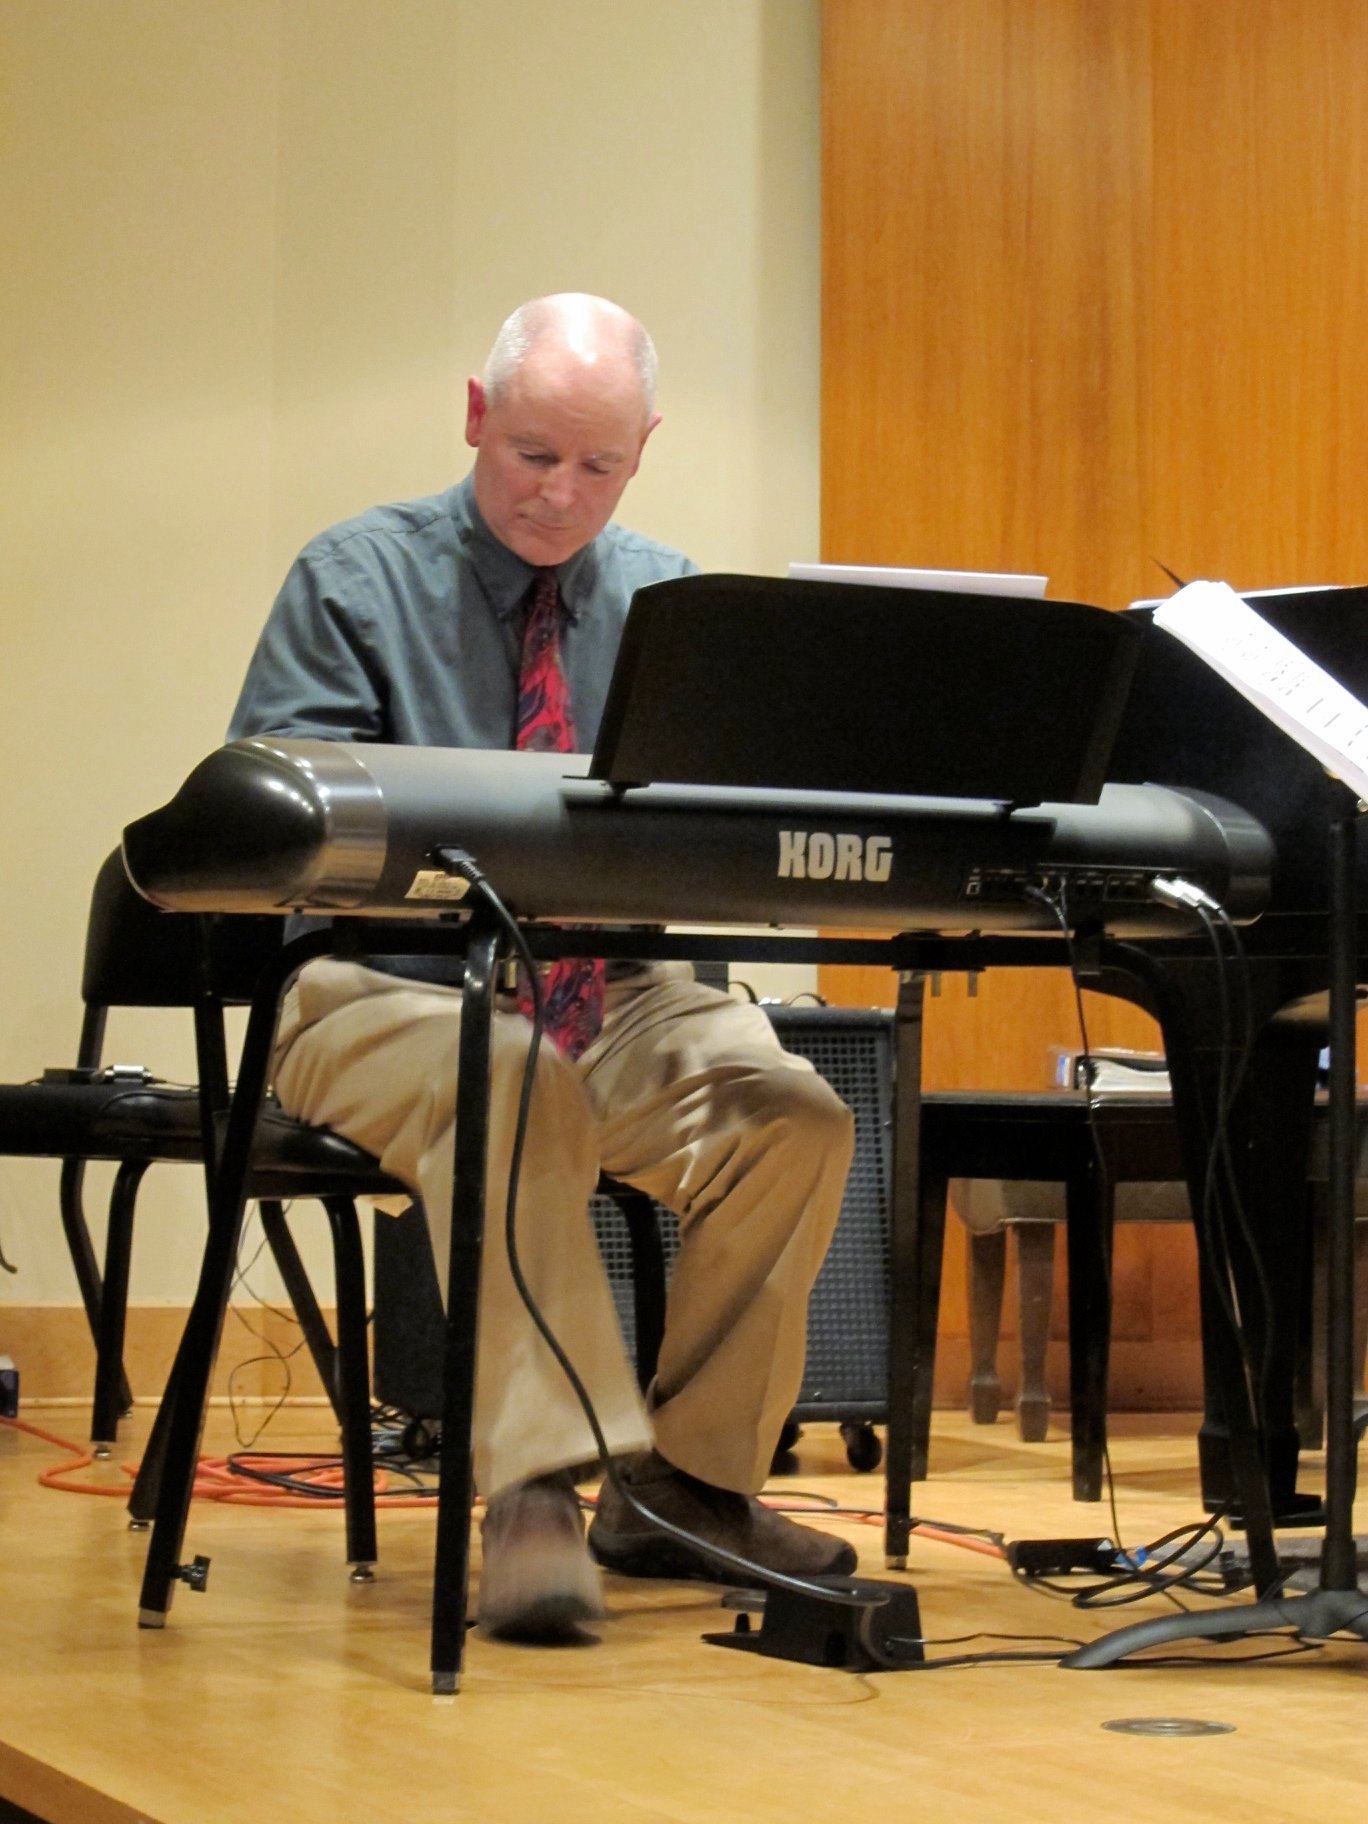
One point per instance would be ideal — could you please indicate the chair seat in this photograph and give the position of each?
(158, 1121)
(1010, 1158)
(1040, 1135)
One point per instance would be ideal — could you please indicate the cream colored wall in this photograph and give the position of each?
(254, 248)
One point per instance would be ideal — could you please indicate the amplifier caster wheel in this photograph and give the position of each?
(864, 1450)
(783, 1462)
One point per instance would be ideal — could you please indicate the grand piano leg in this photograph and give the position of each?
(1253, 1217)
(1270, 1138)
(1249, 1248)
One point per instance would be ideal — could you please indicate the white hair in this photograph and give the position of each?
(576, 315)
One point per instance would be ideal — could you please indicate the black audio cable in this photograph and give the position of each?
(459, 862)
(1235, 1051)
(1059, 910)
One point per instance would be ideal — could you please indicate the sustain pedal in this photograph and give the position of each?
(862, 1625)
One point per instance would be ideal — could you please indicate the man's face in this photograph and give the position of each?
(556, 450)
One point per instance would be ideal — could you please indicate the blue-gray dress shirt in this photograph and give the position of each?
(404, 625)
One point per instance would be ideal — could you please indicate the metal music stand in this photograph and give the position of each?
(1185, 726)
(1338, 1606)
(1314, 821)
(820, 686)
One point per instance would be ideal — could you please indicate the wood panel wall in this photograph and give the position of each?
(1095, 296)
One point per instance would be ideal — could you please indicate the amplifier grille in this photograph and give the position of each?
(847, 1369)
(847, 1354)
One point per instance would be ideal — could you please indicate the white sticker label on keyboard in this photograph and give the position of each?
(436, 883)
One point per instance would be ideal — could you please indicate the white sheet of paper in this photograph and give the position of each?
(1275, 675)
(961, 582)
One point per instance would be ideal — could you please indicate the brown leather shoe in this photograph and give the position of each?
(537, 1580)
(622, 1541)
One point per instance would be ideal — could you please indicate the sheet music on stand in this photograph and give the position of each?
(1309, 705)
(964, 582)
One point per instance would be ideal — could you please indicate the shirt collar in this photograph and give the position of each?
(506, 579)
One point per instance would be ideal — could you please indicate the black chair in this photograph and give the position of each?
(408, 1324)
(138, 956)
(1045, 1137)
(1031, 1139)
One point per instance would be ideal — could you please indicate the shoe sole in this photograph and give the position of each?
(544, 1622)
(657, 1557)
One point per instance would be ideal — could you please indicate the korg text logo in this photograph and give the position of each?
(828, 855)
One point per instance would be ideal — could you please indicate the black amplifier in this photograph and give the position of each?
(846, 1375)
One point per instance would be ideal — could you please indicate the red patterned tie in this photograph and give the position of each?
(573, 987)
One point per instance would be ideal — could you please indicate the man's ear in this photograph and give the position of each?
(655, 420)
(476, 407)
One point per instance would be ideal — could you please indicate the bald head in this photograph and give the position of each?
(558, 423)
(592, 330)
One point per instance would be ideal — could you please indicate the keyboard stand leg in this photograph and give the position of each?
(914, 1275)
(451, 1573)
(227, 1179)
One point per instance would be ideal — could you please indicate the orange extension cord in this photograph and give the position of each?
(216, 1481)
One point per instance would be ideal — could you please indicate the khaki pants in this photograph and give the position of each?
(686, 1094)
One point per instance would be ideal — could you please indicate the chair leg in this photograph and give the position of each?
(1035, 1271)
(987, 1270)
(1089, 1214)
(301, 1296)
(352, 1392)
(82, 1252)
(113, 1312)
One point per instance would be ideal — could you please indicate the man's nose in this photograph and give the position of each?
(558, 487)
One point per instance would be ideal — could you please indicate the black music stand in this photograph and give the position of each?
(1185, 726)
(819, 686)
(1338, 1606)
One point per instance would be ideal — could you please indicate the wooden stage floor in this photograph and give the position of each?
(285, 1693)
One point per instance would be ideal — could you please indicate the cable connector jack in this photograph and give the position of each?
(459, 862)
(1171, 890)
